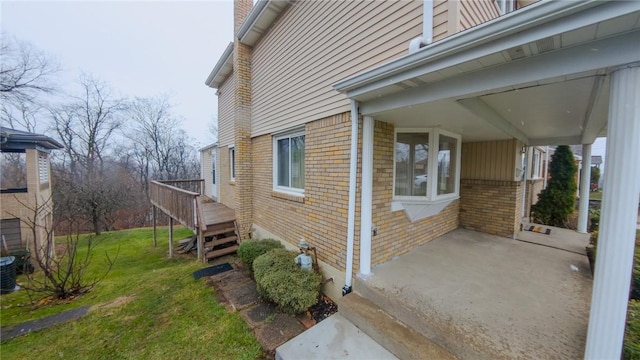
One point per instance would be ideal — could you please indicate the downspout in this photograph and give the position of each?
(427, 28)
(351, 217)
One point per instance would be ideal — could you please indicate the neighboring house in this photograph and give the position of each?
(208, 159)
(331, 114)
(537, 170)
(25, 184)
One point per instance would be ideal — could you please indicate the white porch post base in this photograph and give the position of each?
(366, 196)
(585, 188)
(618, 218)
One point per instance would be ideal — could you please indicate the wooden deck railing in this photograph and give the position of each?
(193, 185)
(177, 202)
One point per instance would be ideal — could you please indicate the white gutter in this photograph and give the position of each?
(489, 36)
(351, 216)
(250, 21)
(427, 27)
(223, 68)
(259, 20)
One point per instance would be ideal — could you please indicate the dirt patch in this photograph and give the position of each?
(323, 309)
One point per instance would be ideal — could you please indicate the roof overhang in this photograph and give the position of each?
(17, 140)
(222, 70)
(539, 74)
(209, 147)
(259, 19)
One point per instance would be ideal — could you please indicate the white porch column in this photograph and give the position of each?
(585, 189)
(366, 196)
(618, 218)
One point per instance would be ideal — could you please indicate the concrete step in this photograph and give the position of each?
(333, 338)
(446, 335)
(395, 336)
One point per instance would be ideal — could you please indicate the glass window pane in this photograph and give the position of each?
(233, 163)
(412, 153)
(283, 162)
(297, 162)
(13, 170)
(447, 155)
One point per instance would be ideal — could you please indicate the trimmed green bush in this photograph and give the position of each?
(249, 250)
(631, 349)
(280, 280)
(557, 202)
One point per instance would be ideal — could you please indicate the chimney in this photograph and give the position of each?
(241, 9)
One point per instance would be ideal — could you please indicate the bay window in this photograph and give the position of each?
(426, 165)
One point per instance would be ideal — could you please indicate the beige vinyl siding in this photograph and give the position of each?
(440, 19)
(489, 160)
(476, 12)
(225, 112)
(316, 43)
(206, 170)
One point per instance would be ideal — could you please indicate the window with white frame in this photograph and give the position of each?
(426, 164)
(536, 164)
(288, 162)
(232, 162)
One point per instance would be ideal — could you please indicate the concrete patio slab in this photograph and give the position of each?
(333, 338)
(564, 239)
(483, 296)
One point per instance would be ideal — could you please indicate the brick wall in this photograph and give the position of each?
(320, 216)
(491, 206)
(533, 189)
(396, 234)
(242, 127)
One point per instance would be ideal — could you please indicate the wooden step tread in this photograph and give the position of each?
(220, 252)
(221, 241)
(219, 231)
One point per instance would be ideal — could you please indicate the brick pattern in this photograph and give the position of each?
(241, 9)
(242, 134)
(320, 216)
(491, 206)
(533, 189)
(396, 234)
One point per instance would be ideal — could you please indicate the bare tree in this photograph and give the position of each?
(63, 275)
(25, 72)
(163, 150)
(213, 128)
(86, 127)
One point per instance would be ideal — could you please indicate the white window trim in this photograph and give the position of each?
(535, 165)
(232, 165)
(274, 168)
(432, 197)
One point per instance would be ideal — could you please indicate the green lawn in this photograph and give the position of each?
(596, 195)
(147, 307)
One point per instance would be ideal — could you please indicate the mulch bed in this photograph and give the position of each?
(323, 309)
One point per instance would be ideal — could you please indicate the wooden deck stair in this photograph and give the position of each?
(213, 223)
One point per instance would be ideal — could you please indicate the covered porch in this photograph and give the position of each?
(488, 297)
(553, 73)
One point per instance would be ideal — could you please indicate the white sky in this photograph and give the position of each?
(143, 48)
